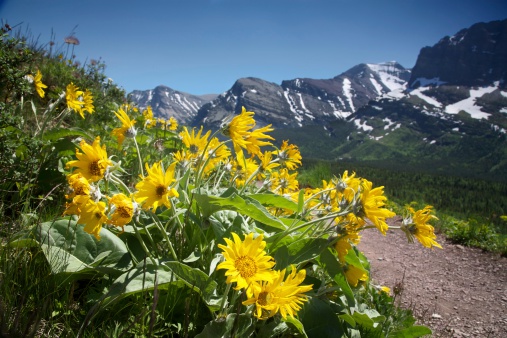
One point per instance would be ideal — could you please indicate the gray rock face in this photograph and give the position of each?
(166, 102)
(305, 101)
(475, 56)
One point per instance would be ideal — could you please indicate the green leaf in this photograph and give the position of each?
(193, 278)
(320, 320)
(299, 251)
(58, 133)
(145, 277)
(246, 206)
(295, 323)
(411, 332)
(231, 326)
(330, 263)
(70, 249)
(275, 201)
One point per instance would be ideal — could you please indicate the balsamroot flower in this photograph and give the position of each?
(195, 143)
(355, 275)
(93, 162)
(246, 261)
(123, 212)
(37, 81)
(78, 100)
(279, 296)
(242, 169)
(239, 129)
(289, 156)
(149, 120)
(92, 215)
(155, 189)
(172, 124)
(373, 202)
(416, 225)
(283, 182)
(127, 127)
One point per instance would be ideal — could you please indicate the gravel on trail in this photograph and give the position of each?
(457, 291)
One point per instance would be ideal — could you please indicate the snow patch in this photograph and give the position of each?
(503, 110)
(418, 92)
(347, 91)
(363, 125)
(468, 105)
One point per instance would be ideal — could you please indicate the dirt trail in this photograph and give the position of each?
(457, 291)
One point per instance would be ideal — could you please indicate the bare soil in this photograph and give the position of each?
(457, 292)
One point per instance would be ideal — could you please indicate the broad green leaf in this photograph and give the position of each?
(146, 276)
(348, 319)
(193, 278)
(57, 133)
(275, 201)
(68, 236)
(369, 318)
(331, 265)
(294, 322)
(302, 250)
(62, 262)
(246, 206)
(411, 332)
(320, 320)
(275, 328)
(231, 326)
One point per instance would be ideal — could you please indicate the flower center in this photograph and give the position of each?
(98, 215)
(94, 168)
(264, 298)
(160, 191)
(246, 266)
(125, 212)
(193, 149)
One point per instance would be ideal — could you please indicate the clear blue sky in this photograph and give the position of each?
(204, 46)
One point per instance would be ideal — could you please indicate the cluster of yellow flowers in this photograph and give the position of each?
(249, 266)
(77, 100)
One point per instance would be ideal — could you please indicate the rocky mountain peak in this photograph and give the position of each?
(473, 57)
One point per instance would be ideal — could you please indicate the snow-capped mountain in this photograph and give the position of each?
(166, 102)
(304, 101)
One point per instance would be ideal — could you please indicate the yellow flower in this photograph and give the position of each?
(93, 162)
(39, 86)
(246, 261)
(385, 289)
(92, 216)
(72, 94)
(79, 186)
(240, 132)
(87, 103)
(283, 182)
(195, 143)
(242, 169)
(155, 189)
(355, 275)
(254, 142)
(347, 186)
(416, 225)
(280, 296)
(218, 153)
(172, 123)
(127, 127)
(239, 128)
(267, 164)
(124, 210)
(289, 156)
(373, 202)
(150, 121)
